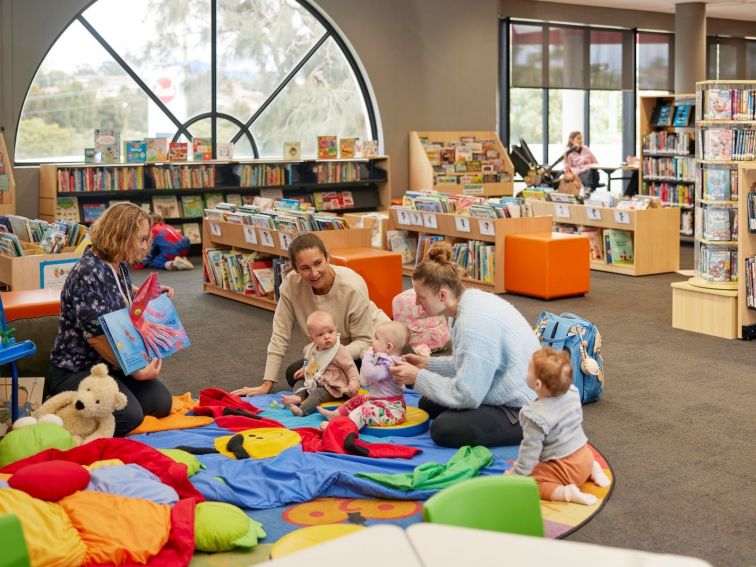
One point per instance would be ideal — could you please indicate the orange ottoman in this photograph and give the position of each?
(381, 270)
(31, 303)
(547, 265)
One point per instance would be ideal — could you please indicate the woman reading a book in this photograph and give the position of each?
(577, 161)
(315, 285)
(473, 396)
(100, 284)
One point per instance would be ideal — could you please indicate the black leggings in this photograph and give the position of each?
(149, 397)
(489, 426)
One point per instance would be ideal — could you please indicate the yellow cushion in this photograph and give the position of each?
(309, 536)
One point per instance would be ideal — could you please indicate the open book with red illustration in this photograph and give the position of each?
(149, 328)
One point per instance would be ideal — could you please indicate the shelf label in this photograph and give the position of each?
(462, 223)
(486, 226)
(593, 213)
(266, 238)
(250, 235)
(417, 218)
(562, 211)
(622, 217)
(403, 217)
(473, 189)
(285, 239)
(215, 229)
(429, 220)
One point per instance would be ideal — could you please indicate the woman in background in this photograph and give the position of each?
(577, 161)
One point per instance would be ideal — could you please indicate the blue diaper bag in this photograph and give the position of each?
(582, 340)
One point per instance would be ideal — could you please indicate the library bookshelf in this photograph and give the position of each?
(656, 242)
(746, 248)
(270, 241)
(422, 175)
(36, 270)
(667, 159)
(8, 181)
(485, 230)
(324, 183)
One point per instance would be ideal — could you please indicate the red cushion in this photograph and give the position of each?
(50, 480)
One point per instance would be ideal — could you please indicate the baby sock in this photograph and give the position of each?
(572, 493)
(598, 476)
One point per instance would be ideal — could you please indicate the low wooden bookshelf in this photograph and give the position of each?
(269, 241)
(746, 244)
(445, 224)
(8, 186)
(656, 241)
(421, 174)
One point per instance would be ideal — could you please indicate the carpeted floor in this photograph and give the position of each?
(676, 421)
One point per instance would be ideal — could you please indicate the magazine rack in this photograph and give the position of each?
(10, 352)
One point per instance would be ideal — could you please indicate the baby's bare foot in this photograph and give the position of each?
(328, 414)
(290, 400)
(296, 410)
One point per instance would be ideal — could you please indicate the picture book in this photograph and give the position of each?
(108, 141)
(67, 209)
(93, 211)
(157, 149)
(327, 147)
(718, 104)
(212, 199)
(224, 150)
(620, 246)
(664, 117)
(400, 241)
(135, 151)
(202, 149)
(177, 151)
(347, 148)
(90, 155)
(166, 206)
(594, 237)
(717, 144)
(717, 184)
(716, 264)
(193, 232)
(292, 150)
(192, 205)
(150, 328)
(682, 115)
(717, 223)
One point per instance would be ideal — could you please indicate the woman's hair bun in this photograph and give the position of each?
(440, 252)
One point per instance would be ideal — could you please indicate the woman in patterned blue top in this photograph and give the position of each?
(97, 285)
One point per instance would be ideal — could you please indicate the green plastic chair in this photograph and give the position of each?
(499, 503)
(12, 543)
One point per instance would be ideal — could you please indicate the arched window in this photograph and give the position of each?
(257, 73)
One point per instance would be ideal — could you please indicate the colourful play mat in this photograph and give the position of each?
(296, 489)
(416, 422)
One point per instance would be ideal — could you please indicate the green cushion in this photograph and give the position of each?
(192, 463)
(30, 440)
(220, 527)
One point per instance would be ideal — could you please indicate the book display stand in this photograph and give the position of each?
(455, 228)
(182, 190)
(245, 237)
(7, 181)
(747, 251)
(667, 159)
(655, 240)
(474, 173)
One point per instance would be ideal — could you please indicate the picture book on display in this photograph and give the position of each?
(108, 142)
(665, 115)
(135, 151)
(177, 151)
(347, 148)
(93, 211)
(166, 206)
(682, 115)
(718, 104)
(717, 144)
(291, 150)
(328, 147)
(157, 149)
(150, 328)
(717, 183)
(224, 150)
(202, 149)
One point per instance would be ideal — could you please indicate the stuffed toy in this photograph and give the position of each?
(87, 413)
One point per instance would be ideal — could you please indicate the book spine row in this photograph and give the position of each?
(718, 264)
(720, 185)
(667, 142)
(183, 177)
(264, 175)
(730, 104)
(100, 179)
(476, 259)
(672, 168)
(750, 281)
(751, 204)
(670, 193)
(337, 172)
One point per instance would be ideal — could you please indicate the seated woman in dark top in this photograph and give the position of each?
(97, 285)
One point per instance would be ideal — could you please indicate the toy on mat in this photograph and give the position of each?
(88, 412)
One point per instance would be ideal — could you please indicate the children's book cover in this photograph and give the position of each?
(108, 141)
(224, 150)
(347, 148)
(718, 144)
(292, 150)
(192, 205)
(328, 147)
(202, 149)
(135, 151)
(157, 149)
(177, 151)
(718, 105)
(149, 329)
(620, 248)
(717, 184)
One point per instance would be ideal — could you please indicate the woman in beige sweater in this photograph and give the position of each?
(315, 285)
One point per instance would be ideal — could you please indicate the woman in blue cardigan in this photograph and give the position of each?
(473, 396)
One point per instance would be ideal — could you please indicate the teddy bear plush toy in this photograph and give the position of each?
(87, 413)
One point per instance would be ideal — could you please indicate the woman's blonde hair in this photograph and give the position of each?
(554, 369)
(115, 232)
(438, 270)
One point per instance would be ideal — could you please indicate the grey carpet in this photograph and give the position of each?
(676, 421)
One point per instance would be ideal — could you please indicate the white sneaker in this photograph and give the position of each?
(181, 263)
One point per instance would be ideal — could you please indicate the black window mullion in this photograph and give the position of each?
(587, 117)
(545, 125)
(282, 85)
(505, 53)
(214, 76)
(129, 71)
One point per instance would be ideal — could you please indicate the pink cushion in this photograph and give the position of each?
(51, 480)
